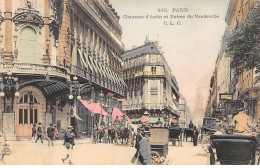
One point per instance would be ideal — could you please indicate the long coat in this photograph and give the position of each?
(144, 152)
(68, 139)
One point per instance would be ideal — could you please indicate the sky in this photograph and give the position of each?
(189, 45)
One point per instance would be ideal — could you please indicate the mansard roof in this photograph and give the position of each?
(148, 48)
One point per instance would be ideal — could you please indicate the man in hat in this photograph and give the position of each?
(117, 121)
(33, 132)
(174, 122)
(124, 121)
(159, 122)
(140, 132)
(145, 118)
(39, 133)
(50, 133)
(191, 125)
(144, 154)
(241, 122)
(69, 143)
(102, 123)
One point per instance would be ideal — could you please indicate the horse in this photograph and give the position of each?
(112, 135)
(100, 134)
(124, 132)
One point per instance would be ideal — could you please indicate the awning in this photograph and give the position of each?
(94, 107)
(87, 60)
(93, 64)
(122, 80)
(96, 64)
(110, 74)
(82, 59)
(117, 112)
(101, 69)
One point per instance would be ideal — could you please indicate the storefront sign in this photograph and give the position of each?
(226, 96)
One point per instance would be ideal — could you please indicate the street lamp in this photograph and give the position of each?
(101, 101)
(8, 83)
(74, 95)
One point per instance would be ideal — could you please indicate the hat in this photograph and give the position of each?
(146, 113)
(147, 133)
(71, 127)
(240, 109)
(174, 117)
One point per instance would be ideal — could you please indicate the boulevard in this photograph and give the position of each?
(86, 153)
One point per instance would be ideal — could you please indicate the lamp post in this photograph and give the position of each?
(74, 95)
(101, 102)
(8, 83)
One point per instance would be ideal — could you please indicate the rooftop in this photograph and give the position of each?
(149, 48)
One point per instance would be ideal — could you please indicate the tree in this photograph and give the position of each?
(243, 46)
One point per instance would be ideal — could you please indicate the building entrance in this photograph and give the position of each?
(26, 115)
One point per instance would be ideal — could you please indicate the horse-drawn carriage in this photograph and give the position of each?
(175, 134)
(188, 133)
(121, 133)
(159, 144)
(233, 149)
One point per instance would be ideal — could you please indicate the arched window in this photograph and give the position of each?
(28, 45)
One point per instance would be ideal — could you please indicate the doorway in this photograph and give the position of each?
(27, 115)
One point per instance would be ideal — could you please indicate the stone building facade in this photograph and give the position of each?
(242, 89)
(185, 114)
(51, 49)
(151, 85)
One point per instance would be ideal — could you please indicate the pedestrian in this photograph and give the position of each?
(159, 122)
(94, 135)
(39, 133)
(56, 132)
(174, 122)
(50, 133)
(144, 154)
(102, 123)
(195, 136)
(137, 145)
(2, 143)
(191, 125)
(33, 132)
(242, 122)
(69, 143)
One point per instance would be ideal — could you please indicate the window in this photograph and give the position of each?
(20, 116)
(28, 45)
(153, 69)
(25, 116)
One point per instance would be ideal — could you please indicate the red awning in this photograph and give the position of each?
(117, 112)
(94, 107)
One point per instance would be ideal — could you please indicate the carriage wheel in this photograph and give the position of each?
(212, 156)
(205, 144)
(155, 158)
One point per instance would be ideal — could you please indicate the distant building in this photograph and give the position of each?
(198, 112)
(150, 84)
(185, 115)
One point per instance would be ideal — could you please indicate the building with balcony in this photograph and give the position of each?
(52, 49)
(150, 84)
(239, 90)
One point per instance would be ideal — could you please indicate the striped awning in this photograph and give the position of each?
(87, 60)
